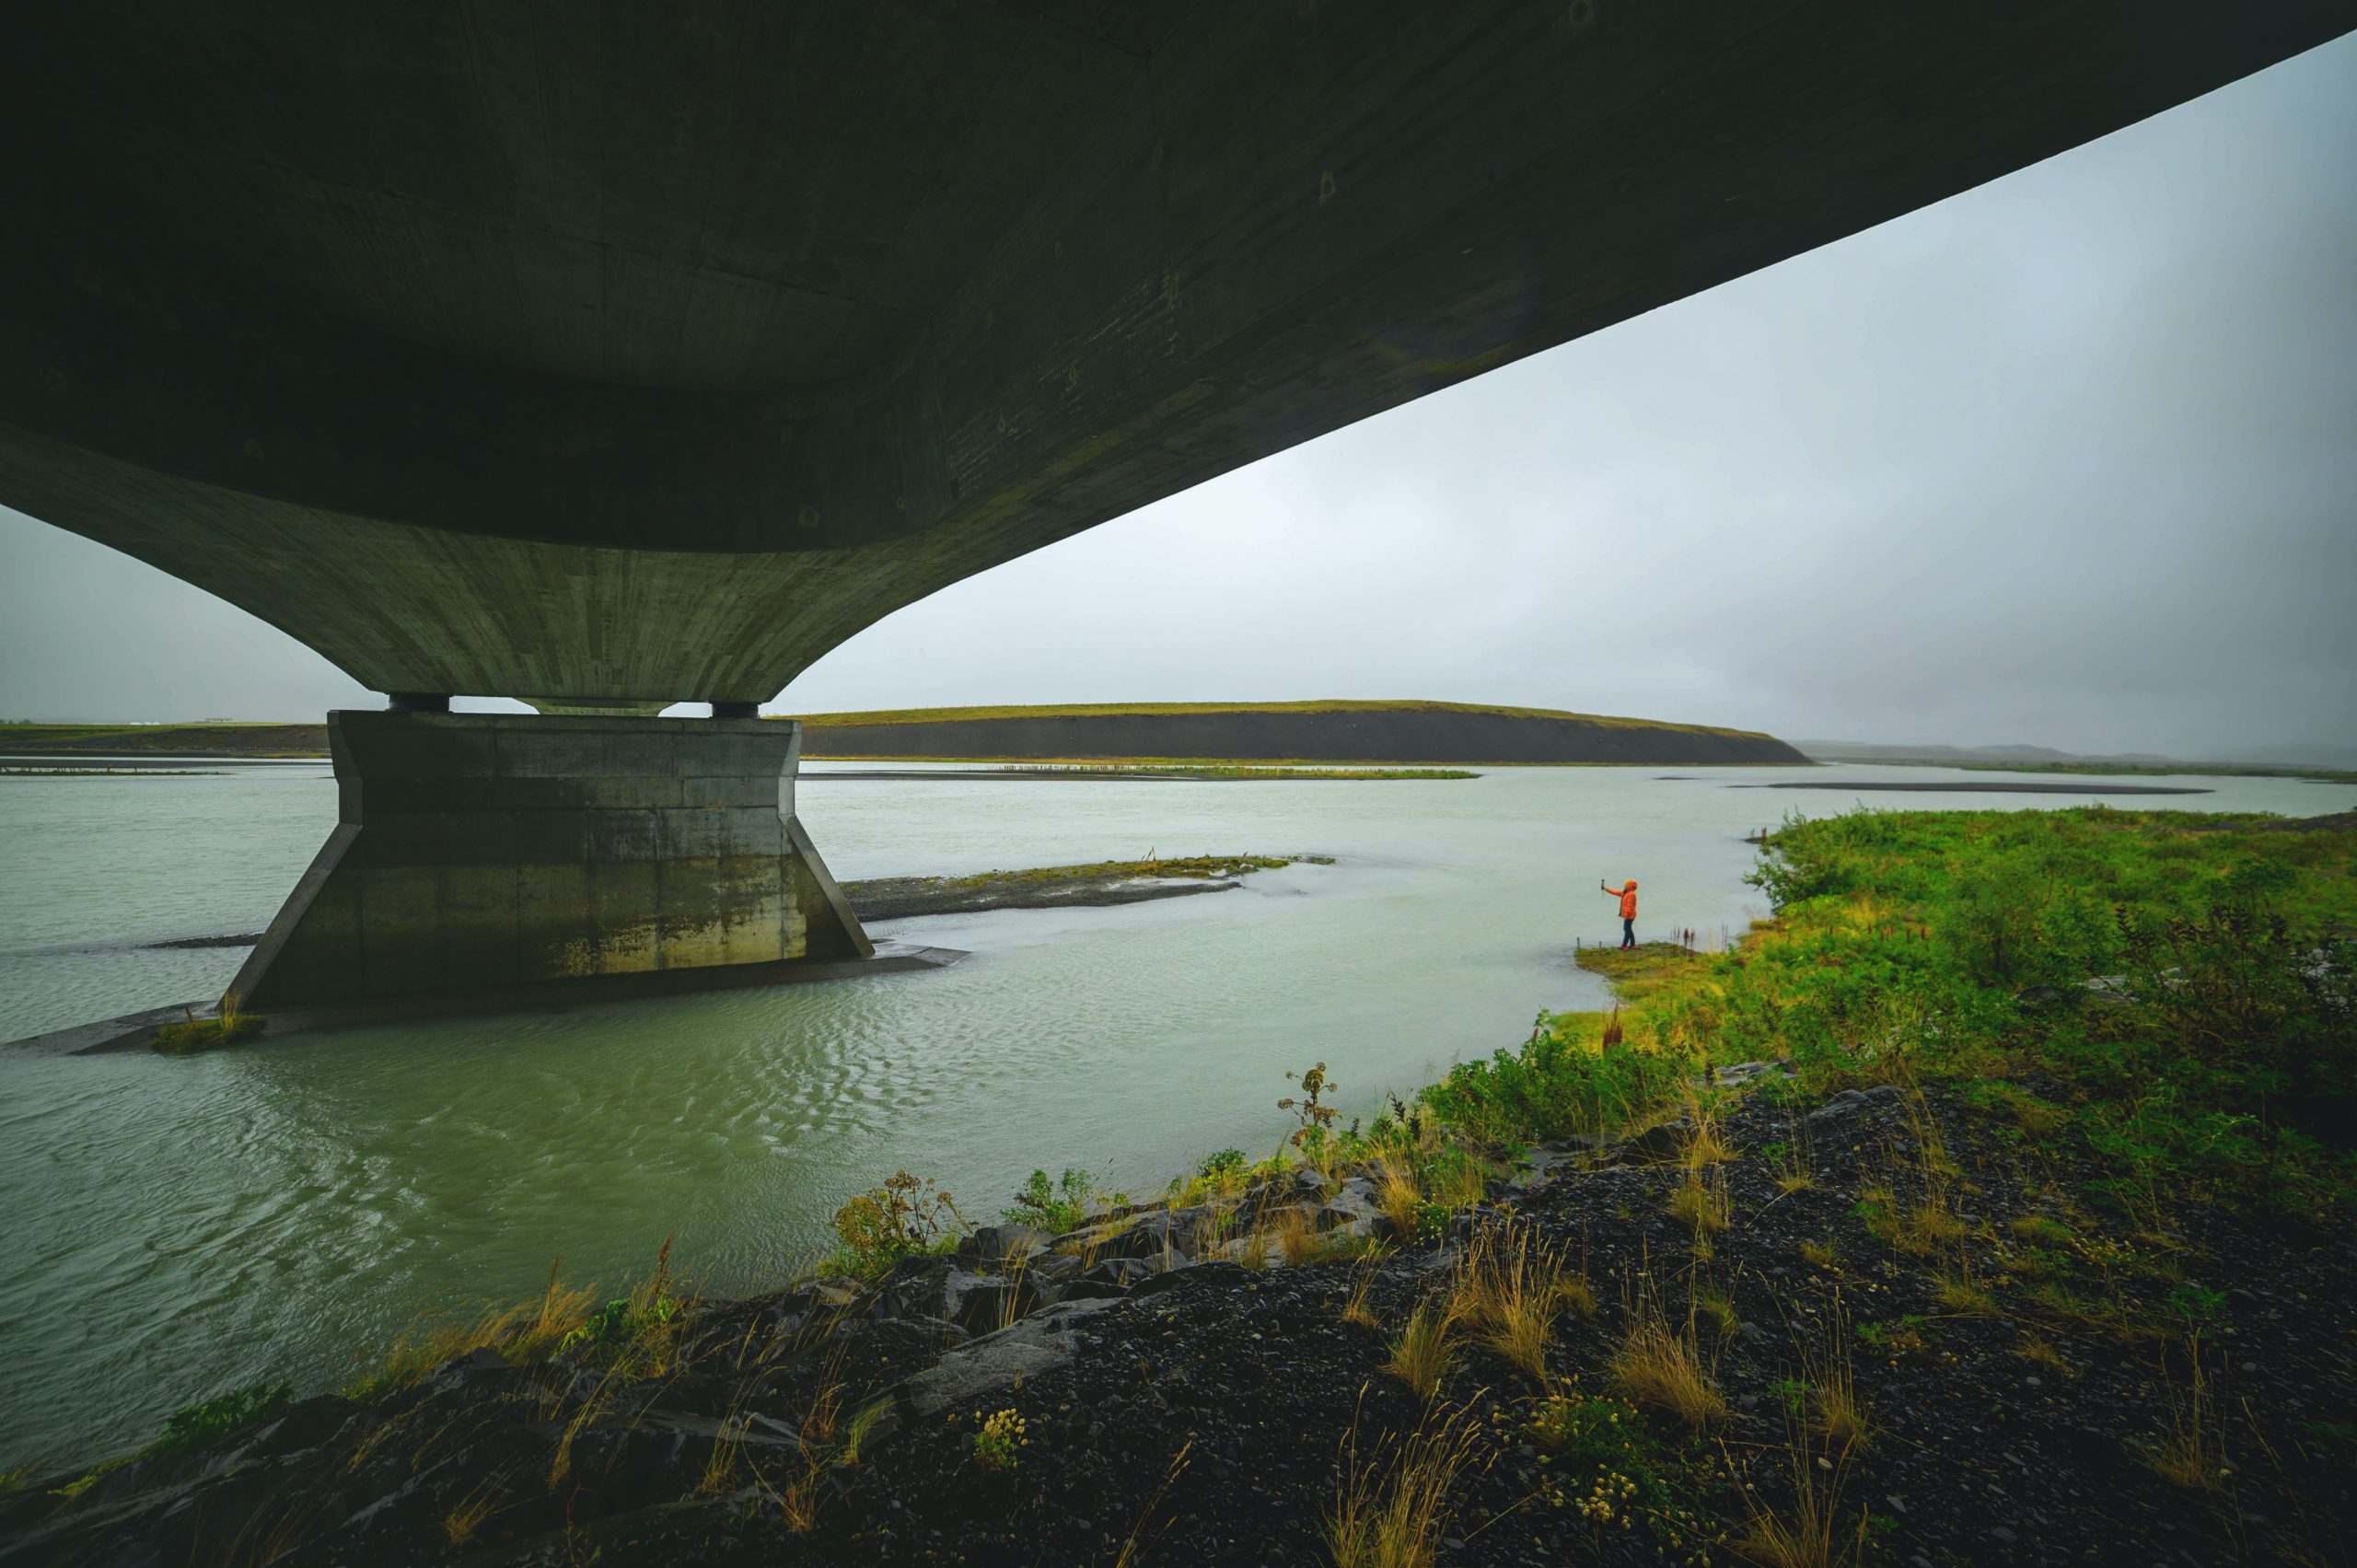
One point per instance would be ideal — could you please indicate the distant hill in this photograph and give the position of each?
(1281, 732)
(1867, 751)
(209, 738)
(1259, 732)
(2302, 758)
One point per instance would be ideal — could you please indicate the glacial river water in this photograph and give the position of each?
(177, 1227)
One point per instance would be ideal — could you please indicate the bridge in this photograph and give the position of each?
(614, 354)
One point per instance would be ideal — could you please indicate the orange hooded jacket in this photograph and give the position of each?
(1628, 899)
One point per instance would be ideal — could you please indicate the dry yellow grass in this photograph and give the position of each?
(1423, 1351)
(856, 1431)
(2190, 1454)
(1397, 1191)
(1511, 1287)
(1713, 1303)
(2038, 1351)
(1811, 1531)
(1701, 1203)
(1293, 1237)
(1135, 1542)
(1960, 1292)
(1389, 1510)
(1015, 1299)
(1930, 1147)
(467, 1516)
(1840, 1418)
(527, 1331)
(1794, 1162)
(1818, 1254)
(2040, 1230)
(1836, 1413)
(1706, 1141)
(1356, 1310)
(1929, 1226)
(1658, 1368)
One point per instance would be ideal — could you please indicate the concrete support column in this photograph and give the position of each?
(483, 854)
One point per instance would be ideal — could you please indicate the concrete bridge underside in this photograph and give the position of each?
(619, 353)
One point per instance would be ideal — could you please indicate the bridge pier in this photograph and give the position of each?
(482, 857)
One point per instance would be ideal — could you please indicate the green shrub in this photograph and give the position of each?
(1606, 1464)
(2268, 1012)
(896, 1220)
(1552, 1087)
(1226, 1162)
(1058, 1206)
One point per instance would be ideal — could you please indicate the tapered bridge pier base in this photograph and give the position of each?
(491, 856)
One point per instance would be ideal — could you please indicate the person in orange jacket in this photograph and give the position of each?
(1627, 897)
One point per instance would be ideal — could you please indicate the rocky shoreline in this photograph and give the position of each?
(1213, 1382)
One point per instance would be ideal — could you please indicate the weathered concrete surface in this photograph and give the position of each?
(628, 351)
(480, 852)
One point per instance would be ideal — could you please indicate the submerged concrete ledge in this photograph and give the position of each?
(134, 1031)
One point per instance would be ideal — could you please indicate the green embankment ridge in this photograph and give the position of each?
(1312, 733)
(226, 738)
(1315, 706)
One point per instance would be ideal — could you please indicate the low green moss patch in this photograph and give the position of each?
(206, 1034)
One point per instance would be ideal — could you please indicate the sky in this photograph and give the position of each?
(2068, 459)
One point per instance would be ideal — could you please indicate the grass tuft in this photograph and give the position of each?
(1510, 1289)
(1423, 1351)
(1700, 1203)
(1389, 1508)
(529, 1331)
(1657, 1368)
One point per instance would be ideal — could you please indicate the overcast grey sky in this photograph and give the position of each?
(2070, 460)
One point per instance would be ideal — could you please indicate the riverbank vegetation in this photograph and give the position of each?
(2181, 982)
(1989, 1201)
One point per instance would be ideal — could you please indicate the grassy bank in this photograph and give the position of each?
(2181, 981)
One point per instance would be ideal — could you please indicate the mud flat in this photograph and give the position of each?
(1058, 887)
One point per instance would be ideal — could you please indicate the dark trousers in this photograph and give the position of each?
(1628, 933)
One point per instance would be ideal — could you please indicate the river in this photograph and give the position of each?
(177, 1227)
